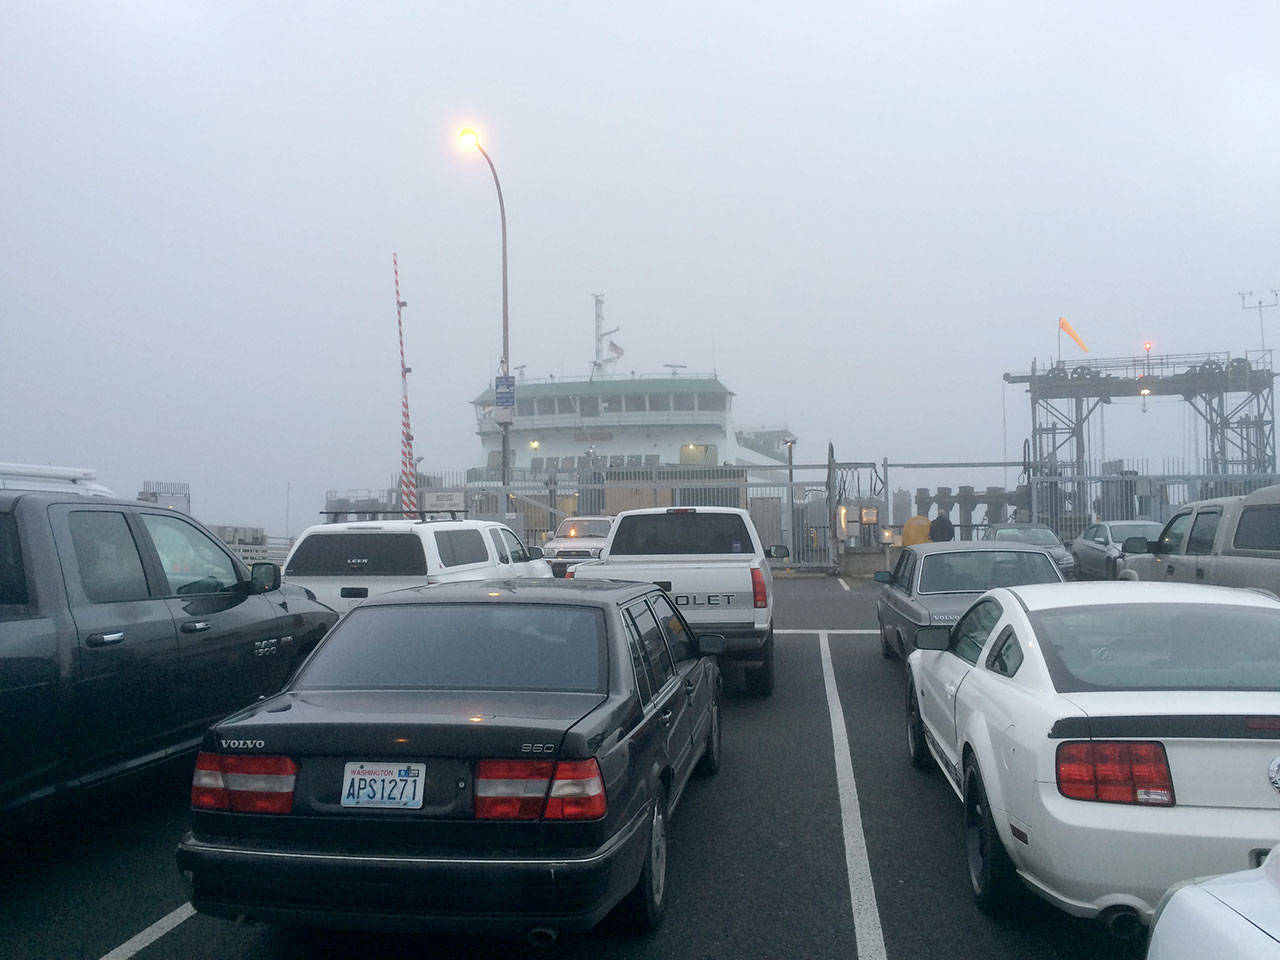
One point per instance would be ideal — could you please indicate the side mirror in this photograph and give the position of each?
(265, 577)
(882, 576)
(710, 644)
(777, 552)
(1136, 545)
(535, 553)
(933, 638)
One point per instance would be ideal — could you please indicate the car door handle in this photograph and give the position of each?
(196, 626)
(690, 687)
(1169, 570)
(102, 639)
(665, 715)
(1199, 573)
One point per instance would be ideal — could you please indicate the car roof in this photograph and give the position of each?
(1019, 525)
(691, 509)
(963, 546)
(10, 497)
(395, 526)
(1049, 596)
(543, 590)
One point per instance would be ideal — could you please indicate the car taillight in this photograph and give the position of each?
(243, 784)
(568, 573)
(1115, 772)
(577, 792)
(759, 594)
(528, 789)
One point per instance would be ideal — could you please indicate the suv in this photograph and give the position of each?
(343, 563)
(575, 540)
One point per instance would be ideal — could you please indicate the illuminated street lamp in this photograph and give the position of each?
(469, 138)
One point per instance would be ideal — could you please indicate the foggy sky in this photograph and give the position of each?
(860, 215)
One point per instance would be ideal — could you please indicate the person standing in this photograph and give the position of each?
(941, 529)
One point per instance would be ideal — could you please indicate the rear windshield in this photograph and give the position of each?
(681, 533)
(474, 646)
(973, 571)
(358, 555)
(1177, 646)
(1039, 536)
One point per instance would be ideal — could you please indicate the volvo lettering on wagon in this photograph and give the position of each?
(711, 562)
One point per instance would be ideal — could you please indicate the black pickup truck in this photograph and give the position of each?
(125, 630)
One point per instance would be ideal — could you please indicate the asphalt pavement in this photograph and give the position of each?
(802, 830)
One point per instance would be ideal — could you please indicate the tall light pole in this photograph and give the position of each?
(504, 414)
(791, 495)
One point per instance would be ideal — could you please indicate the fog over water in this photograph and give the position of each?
(860, 215)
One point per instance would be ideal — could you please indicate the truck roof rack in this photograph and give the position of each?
(34, 476)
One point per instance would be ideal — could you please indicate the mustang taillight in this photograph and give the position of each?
(243, 784)
(1114, 771)
(529, 789)
(759, 593)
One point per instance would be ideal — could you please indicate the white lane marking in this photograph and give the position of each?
(820, 631)
(141, 941)
(840, 580)
(862, 892)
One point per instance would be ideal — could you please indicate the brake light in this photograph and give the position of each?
(511, 789)
(568, 573)
(243, 784)
(529, 789)
(759, 593)
(577, 793)
(681, 510)
(1115, 772)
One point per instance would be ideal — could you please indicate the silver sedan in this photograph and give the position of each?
(1098, 551)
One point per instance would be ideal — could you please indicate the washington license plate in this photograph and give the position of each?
(396, 785)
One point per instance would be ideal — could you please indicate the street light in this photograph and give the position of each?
(469, 138)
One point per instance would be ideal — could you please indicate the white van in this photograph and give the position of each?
(342, 563)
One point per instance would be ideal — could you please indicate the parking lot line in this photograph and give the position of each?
(862, 892)
(141, 941)
(840, 580)
(868, 632)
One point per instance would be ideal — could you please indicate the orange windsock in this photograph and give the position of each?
(1066, 328)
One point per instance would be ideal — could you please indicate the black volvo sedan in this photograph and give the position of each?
(492, 756)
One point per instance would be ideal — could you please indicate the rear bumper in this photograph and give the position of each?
(378, 891)
(1084, 857)
(742, 641)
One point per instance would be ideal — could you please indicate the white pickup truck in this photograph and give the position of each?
(711, 562)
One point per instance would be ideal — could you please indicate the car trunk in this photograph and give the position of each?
(1220, 745)
(439, 734)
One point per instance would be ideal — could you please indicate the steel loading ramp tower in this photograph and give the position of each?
(1233, 396)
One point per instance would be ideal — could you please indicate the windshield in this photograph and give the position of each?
(1147, 646)
(472, 646)
(578, 527)
(1040, 536)
(973, 571)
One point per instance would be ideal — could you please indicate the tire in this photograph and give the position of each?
(917, 749)
(647, 902)
(759, 680)
(709, 765)
(886, 651)
(991, 872)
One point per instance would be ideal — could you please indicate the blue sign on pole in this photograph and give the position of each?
(504, 391)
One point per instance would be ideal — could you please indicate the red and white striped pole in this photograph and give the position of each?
(408, 469)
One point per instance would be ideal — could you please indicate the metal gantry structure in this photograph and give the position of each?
(1233, 397)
